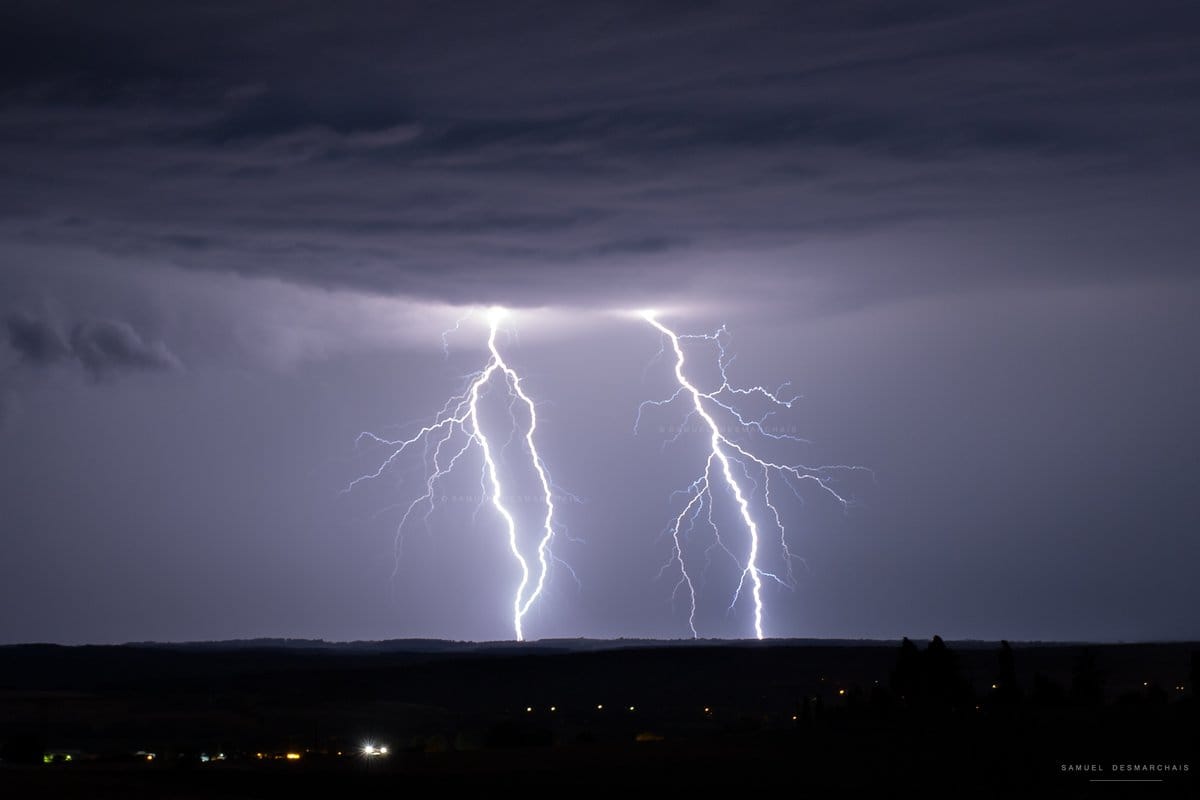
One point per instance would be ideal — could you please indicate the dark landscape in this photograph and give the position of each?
(496, 399)
(220, 719)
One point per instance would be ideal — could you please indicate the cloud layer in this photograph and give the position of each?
(527, 153)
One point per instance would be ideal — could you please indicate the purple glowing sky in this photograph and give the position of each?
(231, 237)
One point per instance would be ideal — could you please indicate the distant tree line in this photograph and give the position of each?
(932, 681)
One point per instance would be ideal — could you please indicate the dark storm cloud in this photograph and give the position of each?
(35, 340)
(527, 152)
(102, 347)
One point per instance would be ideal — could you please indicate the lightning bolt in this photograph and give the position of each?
(735, 465)
(456, 429)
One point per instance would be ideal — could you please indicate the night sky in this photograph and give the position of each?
(232, 234)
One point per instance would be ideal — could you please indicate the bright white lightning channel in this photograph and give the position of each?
(733, 458)
(460, 415)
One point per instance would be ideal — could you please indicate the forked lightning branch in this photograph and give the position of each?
(731, 464)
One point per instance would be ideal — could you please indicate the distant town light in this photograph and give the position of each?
(52, 758)
(292, 756)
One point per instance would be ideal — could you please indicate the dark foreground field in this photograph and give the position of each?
(221, 720)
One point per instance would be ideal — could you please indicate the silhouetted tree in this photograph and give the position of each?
(1008, 689)
(1087, 681)
(931, 678)
(944, 685)
(907, 675)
